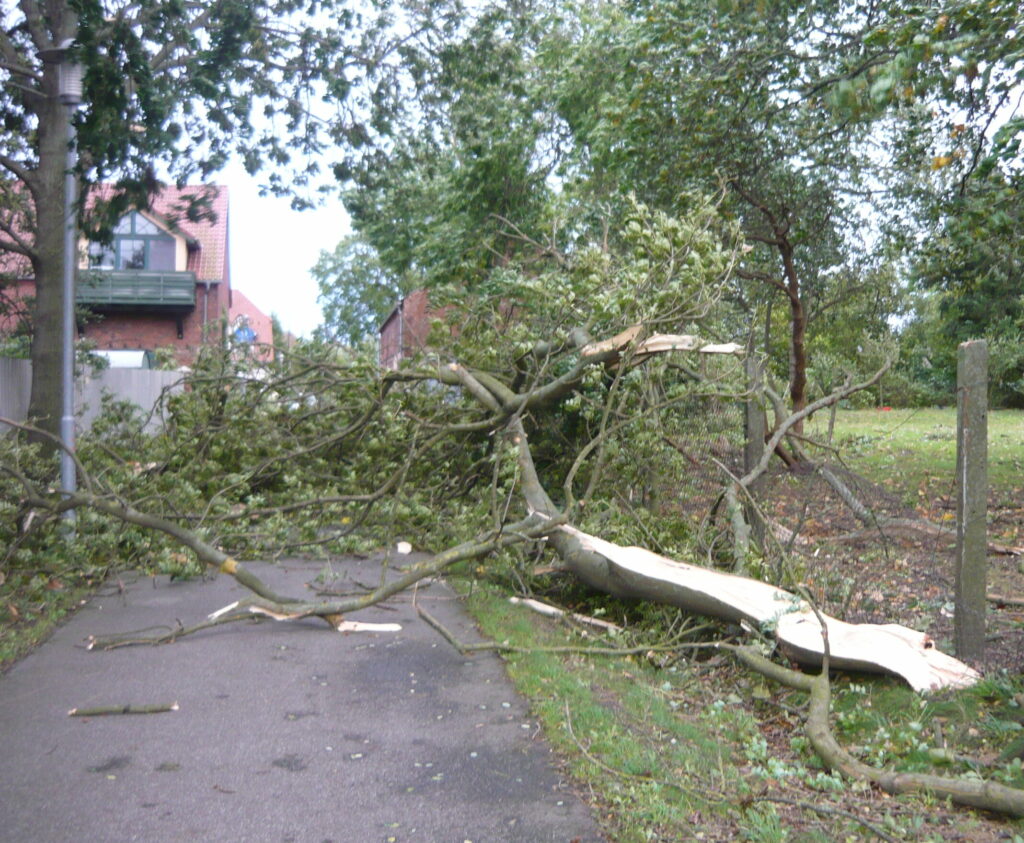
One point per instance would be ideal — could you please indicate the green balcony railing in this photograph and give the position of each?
(100, 288)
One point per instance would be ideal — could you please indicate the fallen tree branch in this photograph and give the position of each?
(635, 572)
(502, 647)
(332, 611)
(550, 611)
(986, 795)
(828, 811)
(102, 710)
(887, 648)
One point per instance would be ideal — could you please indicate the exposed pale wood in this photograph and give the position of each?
(554, 612)
(879, 648)
(658, 344)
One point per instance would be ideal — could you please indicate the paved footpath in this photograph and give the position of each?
(286, 731)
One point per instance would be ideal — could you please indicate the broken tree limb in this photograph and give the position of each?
(102, 710)
(332, 611)
(986, 795)
(550, 611)
(885, 648)
(634, 572)
(505, 647)
(655, 344)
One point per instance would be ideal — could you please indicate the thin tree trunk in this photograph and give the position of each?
(798, 333)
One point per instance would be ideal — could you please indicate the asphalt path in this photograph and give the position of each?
(284, 732)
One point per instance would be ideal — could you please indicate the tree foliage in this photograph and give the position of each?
(356, 292)
(171, 88)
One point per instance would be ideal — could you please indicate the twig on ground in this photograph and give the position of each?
(100, 710)
(829, 811)
(495, 646)
(550, 611)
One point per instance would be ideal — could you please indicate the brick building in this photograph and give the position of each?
(164, 282)
(405, 330)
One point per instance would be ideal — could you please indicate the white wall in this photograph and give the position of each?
(143, 387)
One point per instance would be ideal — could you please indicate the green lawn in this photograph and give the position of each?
(913, 452)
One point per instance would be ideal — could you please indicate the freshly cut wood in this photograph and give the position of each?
(878, 648)
(335, 619)
(657, 344)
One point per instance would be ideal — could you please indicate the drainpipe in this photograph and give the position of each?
(401, 330)
(206, 307)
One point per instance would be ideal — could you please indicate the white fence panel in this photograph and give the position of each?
(143, 387)
(15, 382)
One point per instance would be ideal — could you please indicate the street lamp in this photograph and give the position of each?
(69, 92)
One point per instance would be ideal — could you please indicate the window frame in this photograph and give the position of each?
(127, 230)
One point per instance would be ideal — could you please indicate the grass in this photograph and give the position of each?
(30, 612)
(618, 722)
(685, 751)
(720, 732)
(914, 451)
(682, 751)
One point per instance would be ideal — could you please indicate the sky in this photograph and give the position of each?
(273, 248)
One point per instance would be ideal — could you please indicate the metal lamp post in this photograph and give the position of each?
(69, 92)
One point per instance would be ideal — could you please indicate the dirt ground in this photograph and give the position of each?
(897, 574)
(884, 576)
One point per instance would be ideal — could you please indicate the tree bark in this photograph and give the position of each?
(798, 331)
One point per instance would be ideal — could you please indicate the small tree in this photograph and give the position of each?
(167, 84)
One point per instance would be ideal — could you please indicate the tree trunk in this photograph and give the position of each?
(798, 333)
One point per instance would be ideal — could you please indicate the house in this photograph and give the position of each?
(164, 282)
(404, 331)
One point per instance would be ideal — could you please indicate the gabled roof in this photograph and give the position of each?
(208, 239)
(210, 260)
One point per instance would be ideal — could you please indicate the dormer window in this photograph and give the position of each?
(138, 244)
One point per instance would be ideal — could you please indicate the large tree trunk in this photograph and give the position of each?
(633, 572)
(888, 648)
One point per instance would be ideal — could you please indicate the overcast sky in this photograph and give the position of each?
(273, 248)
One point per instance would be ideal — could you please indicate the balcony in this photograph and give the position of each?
(104, 289)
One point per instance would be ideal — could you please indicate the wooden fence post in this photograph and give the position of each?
(971, 498)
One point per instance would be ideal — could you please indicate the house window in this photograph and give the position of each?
(138, 244)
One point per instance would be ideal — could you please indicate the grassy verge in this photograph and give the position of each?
(699, 749)
(30, 610)
(619, 727)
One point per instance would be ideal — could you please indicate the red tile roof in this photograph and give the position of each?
(209, 261)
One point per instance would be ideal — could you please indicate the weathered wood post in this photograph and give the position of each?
(971, 498)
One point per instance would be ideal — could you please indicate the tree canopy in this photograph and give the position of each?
(169, 90)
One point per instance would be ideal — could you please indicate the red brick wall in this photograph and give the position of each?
(405, 331)
(151, 331)
(16, 295)
(259, 322)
